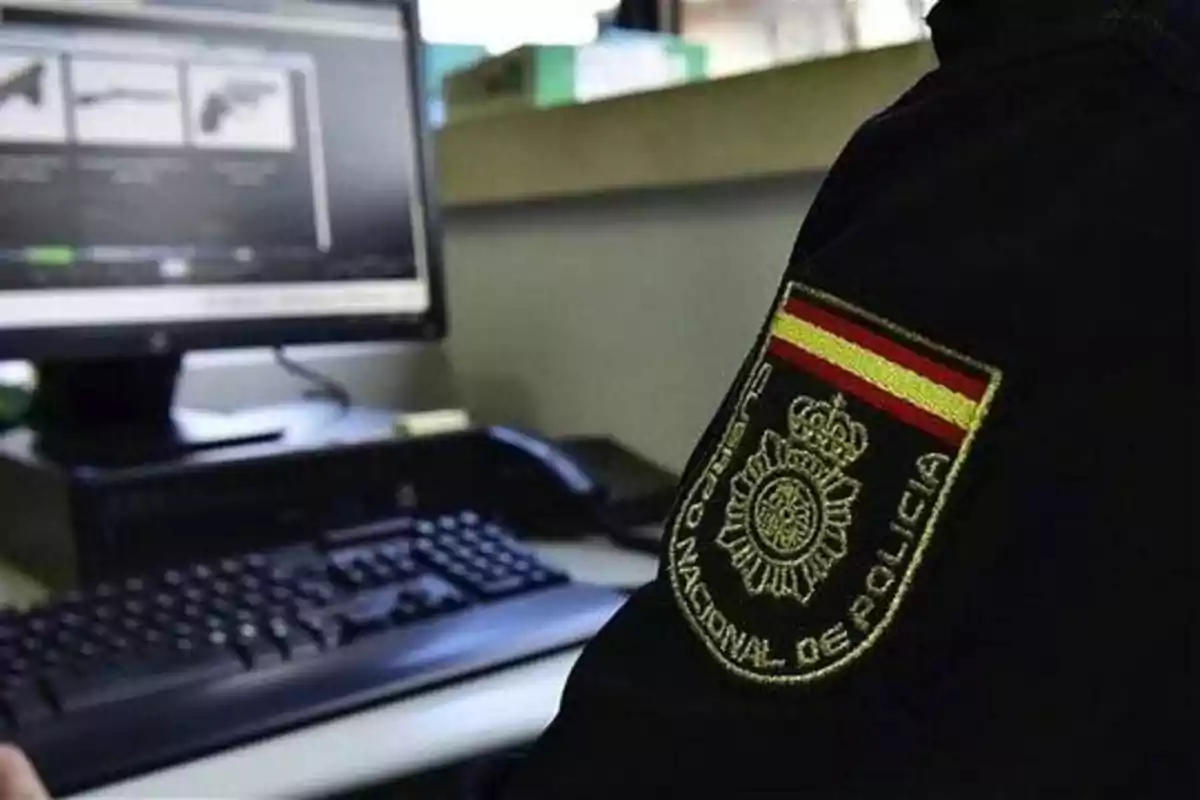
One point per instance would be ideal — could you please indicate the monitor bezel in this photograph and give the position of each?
(138, 339)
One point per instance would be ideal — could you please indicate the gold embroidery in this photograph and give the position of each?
(928, 466)
(877, 370)
(812, 650)
(790, 470)
(790, 506)
(728, 639)
(882, 576)
(729, 442)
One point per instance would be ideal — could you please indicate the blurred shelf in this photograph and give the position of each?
(789, 120)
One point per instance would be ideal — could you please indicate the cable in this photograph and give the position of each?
(324, 387)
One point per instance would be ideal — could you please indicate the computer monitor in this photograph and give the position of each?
(175, 177)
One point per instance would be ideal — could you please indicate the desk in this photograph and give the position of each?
(402, 738)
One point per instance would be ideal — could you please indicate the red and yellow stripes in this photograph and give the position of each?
(923, 392)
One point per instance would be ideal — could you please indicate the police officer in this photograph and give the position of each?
(937, 542)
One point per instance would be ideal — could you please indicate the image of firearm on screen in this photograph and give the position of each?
(25, 82)
(232, 95)
(117, 94)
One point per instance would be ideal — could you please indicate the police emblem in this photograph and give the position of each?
(791, 550)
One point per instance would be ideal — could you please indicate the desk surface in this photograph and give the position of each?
(402, 738)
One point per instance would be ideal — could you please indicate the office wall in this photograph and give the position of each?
(626, 314)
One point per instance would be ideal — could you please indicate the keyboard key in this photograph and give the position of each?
(181, 630)
(70, 619)
(391, 551)
(319, 592)
(219, 605)
(350, 577)
(293, 641)
(432, 594)
(365, 533)
(259, 653)
(149, 674)
(253, 648)
(379, 573)
(367, 614)
(278, 575)
(327, 631)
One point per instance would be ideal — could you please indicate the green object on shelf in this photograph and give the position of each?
(543, 76)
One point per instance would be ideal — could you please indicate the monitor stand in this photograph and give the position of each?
(119, 411)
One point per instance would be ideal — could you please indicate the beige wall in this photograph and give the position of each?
(626, 315)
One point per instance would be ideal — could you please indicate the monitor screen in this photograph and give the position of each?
(172, 166)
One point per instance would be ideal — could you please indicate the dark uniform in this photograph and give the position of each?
(937, 542)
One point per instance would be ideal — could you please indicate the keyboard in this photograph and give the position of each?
(126, 677)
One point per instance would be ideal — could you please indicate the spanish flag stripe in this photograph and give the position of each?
(868, 392)
(873, 368)
(965, 385)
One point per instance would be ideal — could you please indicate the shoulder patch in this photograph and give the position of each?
(792, 549)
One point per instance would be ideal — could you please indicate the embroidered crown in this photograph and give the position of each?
(827, 430)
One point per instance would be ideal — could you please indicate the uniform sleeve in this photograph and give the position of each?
(933, 544)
